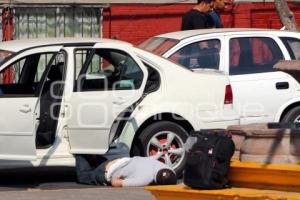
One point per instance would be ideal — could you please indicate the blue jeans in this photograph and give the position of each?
(86, 174)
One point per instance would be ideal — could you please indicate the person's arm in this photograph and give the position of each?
(135, 182)
(129, 182)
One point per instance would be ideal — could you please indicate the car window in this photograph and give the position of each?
(158, 45)
(11, 74)
(4, 55)
(23, 76)
(253, 55)
(42, 64)
(293, 46)
(80, 58)
(202, 54)
(108, 69)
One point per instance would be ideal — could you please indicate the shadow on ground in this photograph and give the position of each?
(39, 178)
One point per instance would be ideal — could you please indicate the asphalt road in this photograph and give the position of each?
(59, 183)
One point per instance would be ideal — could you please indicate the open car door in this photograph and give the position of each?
(19, 98)
(111, 79)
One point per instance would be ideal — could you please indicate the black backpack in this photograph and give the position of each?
(208, 159)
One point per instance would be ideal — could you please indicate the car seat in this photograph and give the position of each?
(50, 107)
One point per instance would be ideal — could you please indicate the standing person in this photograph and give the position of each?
(124, 172)
(196, 18)
(214, 13)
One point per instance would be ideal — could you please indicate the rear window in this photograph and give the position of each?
(158, 45)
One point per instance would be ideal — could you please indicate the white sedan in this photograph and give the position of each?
(61, 97)
(261, 94)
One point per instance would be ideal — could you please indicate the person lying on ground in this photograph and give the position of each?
(124, 172)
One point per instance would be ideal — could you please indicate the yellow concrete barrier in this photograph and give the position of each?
(180, 192)
(249, 181)
(284, 177)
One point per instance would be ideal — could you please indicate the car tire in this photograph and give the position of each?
(165, 142)
(293, 116)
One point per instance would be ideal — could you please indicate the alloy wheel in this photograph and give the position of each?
(167, 147)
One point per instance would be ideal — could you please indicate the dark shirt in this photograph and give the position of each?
(194, 19)
(215, 21)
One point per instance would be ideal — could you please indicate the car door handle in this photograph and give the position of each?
(119, 101)
(25, 109)
(282, 85)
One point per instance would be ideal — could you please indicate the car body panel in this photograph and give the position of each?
(33, 43)
(17, 138)
(254, 92)
(256, 97)
(183, 92)
(90, 122)
(202, 109)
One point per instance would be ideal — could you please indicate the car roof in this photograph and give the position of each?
(18, 45)
(180, 35)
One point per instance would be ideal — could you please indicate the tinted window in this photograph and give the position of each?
(203, 54)
(80, 58)
(293, 46)
(4, 55)
(23, 76)
(108, 69)
(158, 45)
(42, 64)
(253, 55)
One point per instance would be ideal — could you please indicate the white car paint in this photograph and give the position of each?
(256, 97)
(198, 97)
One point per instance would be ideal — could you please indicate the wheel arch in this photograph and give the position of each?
(171, 117)
(287, 109)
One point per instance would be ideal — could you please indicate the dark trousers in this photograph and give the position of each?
(87, 174)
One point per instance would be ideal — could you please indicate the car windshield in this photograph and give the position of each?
(4, 55)
(158, 45)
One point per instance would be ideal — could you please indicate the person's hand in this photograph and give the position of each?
(117, 182)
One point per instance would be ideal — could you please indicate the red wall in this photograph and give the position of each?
(257, 15)
(136, 22)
